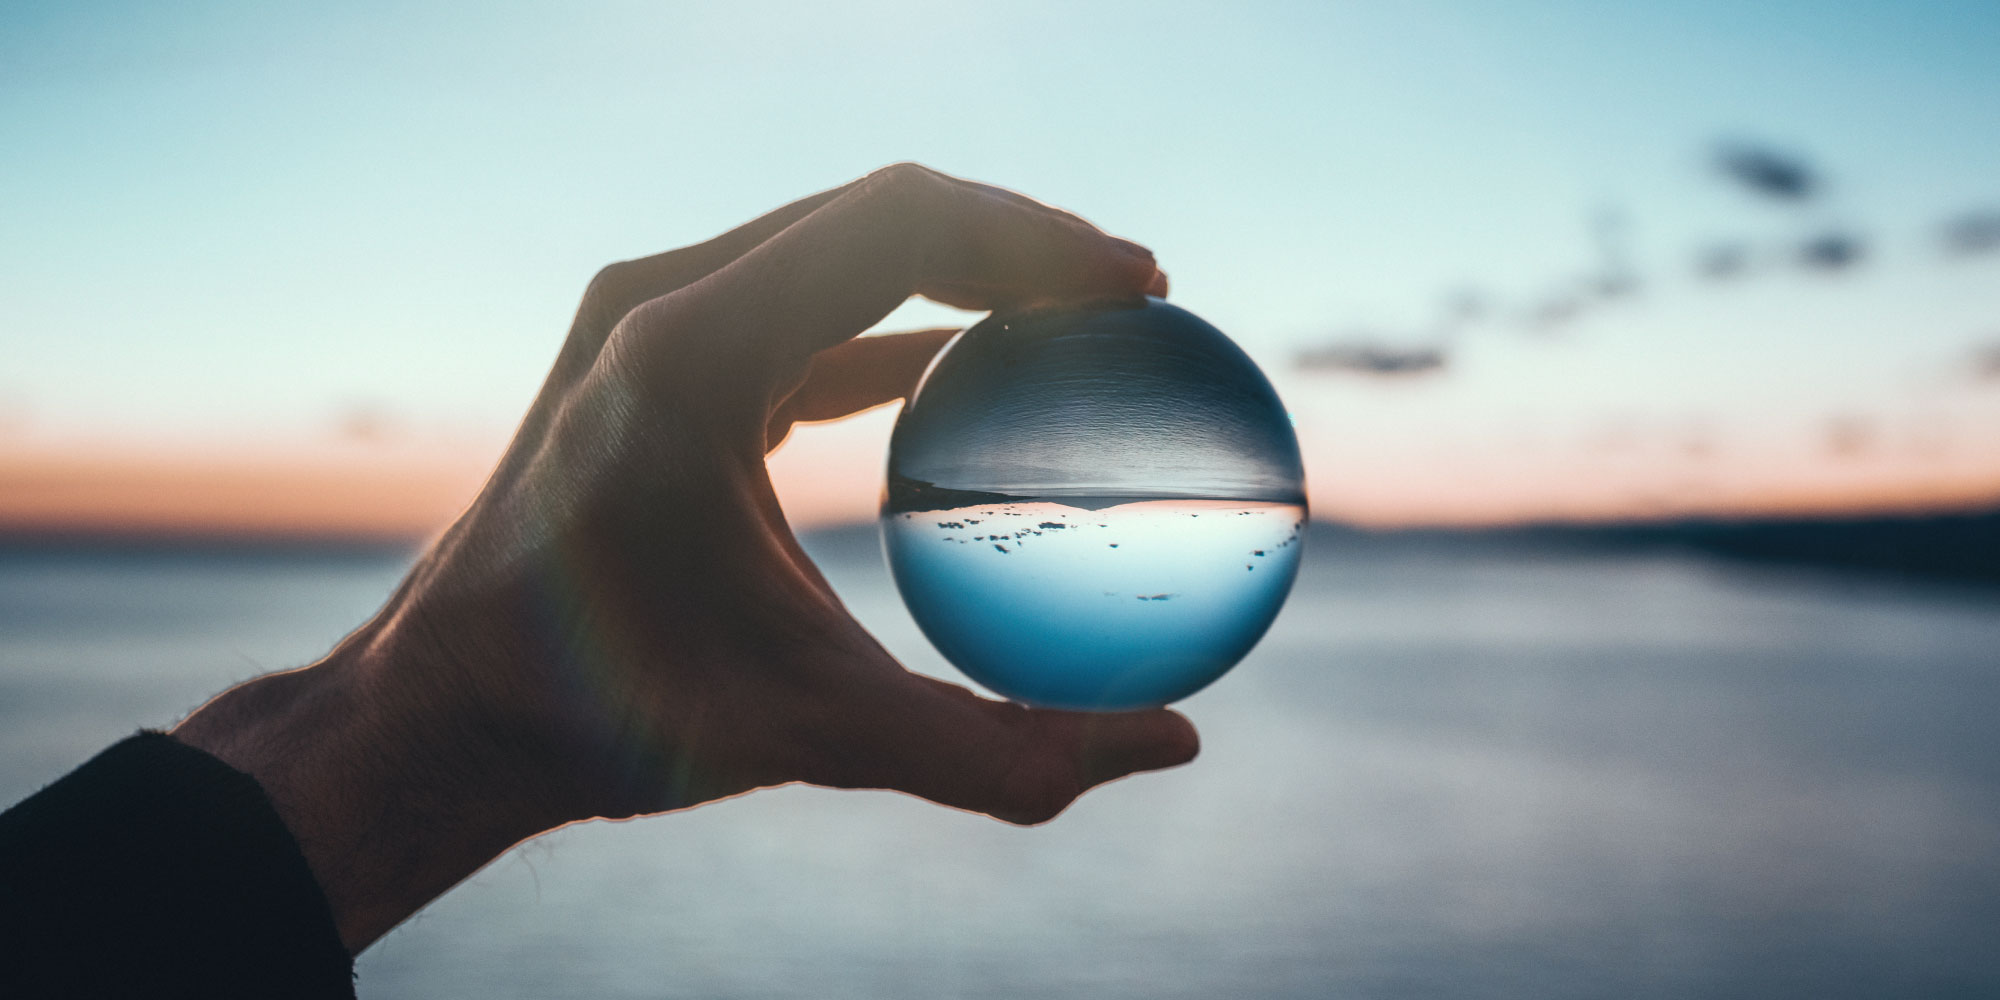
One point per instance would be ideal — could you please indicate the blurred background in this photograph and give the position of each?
(1646, 360)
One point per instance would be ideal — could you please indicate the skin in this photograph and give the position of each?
(623, 624)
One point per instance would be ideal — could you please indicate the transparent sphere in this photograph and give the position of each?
(1094, 508)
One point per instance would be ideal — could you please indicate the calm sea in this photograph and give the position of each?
(1449, 771)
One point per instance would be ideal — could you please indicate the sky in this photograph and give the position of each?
(256, 255)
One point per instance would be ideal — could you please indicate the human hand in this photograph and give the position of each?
(622, 623)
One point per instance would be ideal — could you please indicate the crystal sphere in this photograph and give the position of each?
(1098, 507)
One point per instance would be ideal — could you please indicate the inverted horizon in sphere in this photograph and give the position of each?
(1140, 398)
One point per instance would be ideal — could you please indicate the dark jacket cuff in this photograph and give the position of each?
(157, 870)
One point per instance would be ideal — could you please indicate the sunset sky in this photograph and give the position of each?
(278, 268)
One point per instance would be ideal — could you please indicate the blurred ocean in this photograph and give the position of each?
(1451, 769)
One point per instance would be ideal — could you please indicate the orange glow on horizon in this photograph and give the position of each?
(234, 494)
(832, 474)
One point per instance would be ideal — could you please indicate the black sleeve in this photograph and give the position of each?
(156, 870)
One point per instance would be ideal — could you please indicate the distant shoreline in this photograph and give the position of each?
(1961, 546)
(15, 543)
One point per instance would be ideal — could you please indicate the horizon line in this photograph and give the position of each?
(19, 538)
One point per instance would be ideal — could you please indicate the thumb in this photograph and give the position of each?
(1023, 765)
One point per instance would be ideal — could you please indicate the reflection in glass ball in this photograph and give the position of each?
(1094, 508)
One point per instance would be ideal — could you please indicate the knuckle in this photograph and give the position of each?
(622, 286)
(641, 344)
(912, 205)
(667, 345)
(906, 189)
(607, 297)
(652, 335)
(609, 280)
(906, 173)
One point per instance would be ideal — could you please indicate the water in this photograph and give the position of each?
(1446, 771)
(1123, 604)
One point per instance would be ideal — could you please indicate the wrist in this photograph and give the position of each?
(395, 786)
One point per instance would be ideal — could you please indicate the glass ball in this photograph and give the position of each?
(1097, 507)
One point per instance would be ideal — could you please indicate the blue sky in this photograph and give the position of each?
(227, 222)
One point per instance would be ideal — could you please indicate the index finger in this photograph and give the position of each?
(902, 231)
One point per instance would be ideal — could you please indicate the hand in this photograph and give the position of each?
(622, 623)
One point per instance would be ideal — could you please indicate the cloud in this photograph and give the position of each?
(1973, 232)
(1986, 362)
(1552, 313)
(1366, 358)
(1613, 284)
(367, 423)
(1767, 172)
(1721, 261)
(1466, 305)
(1849, 436)
(1832, 251)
